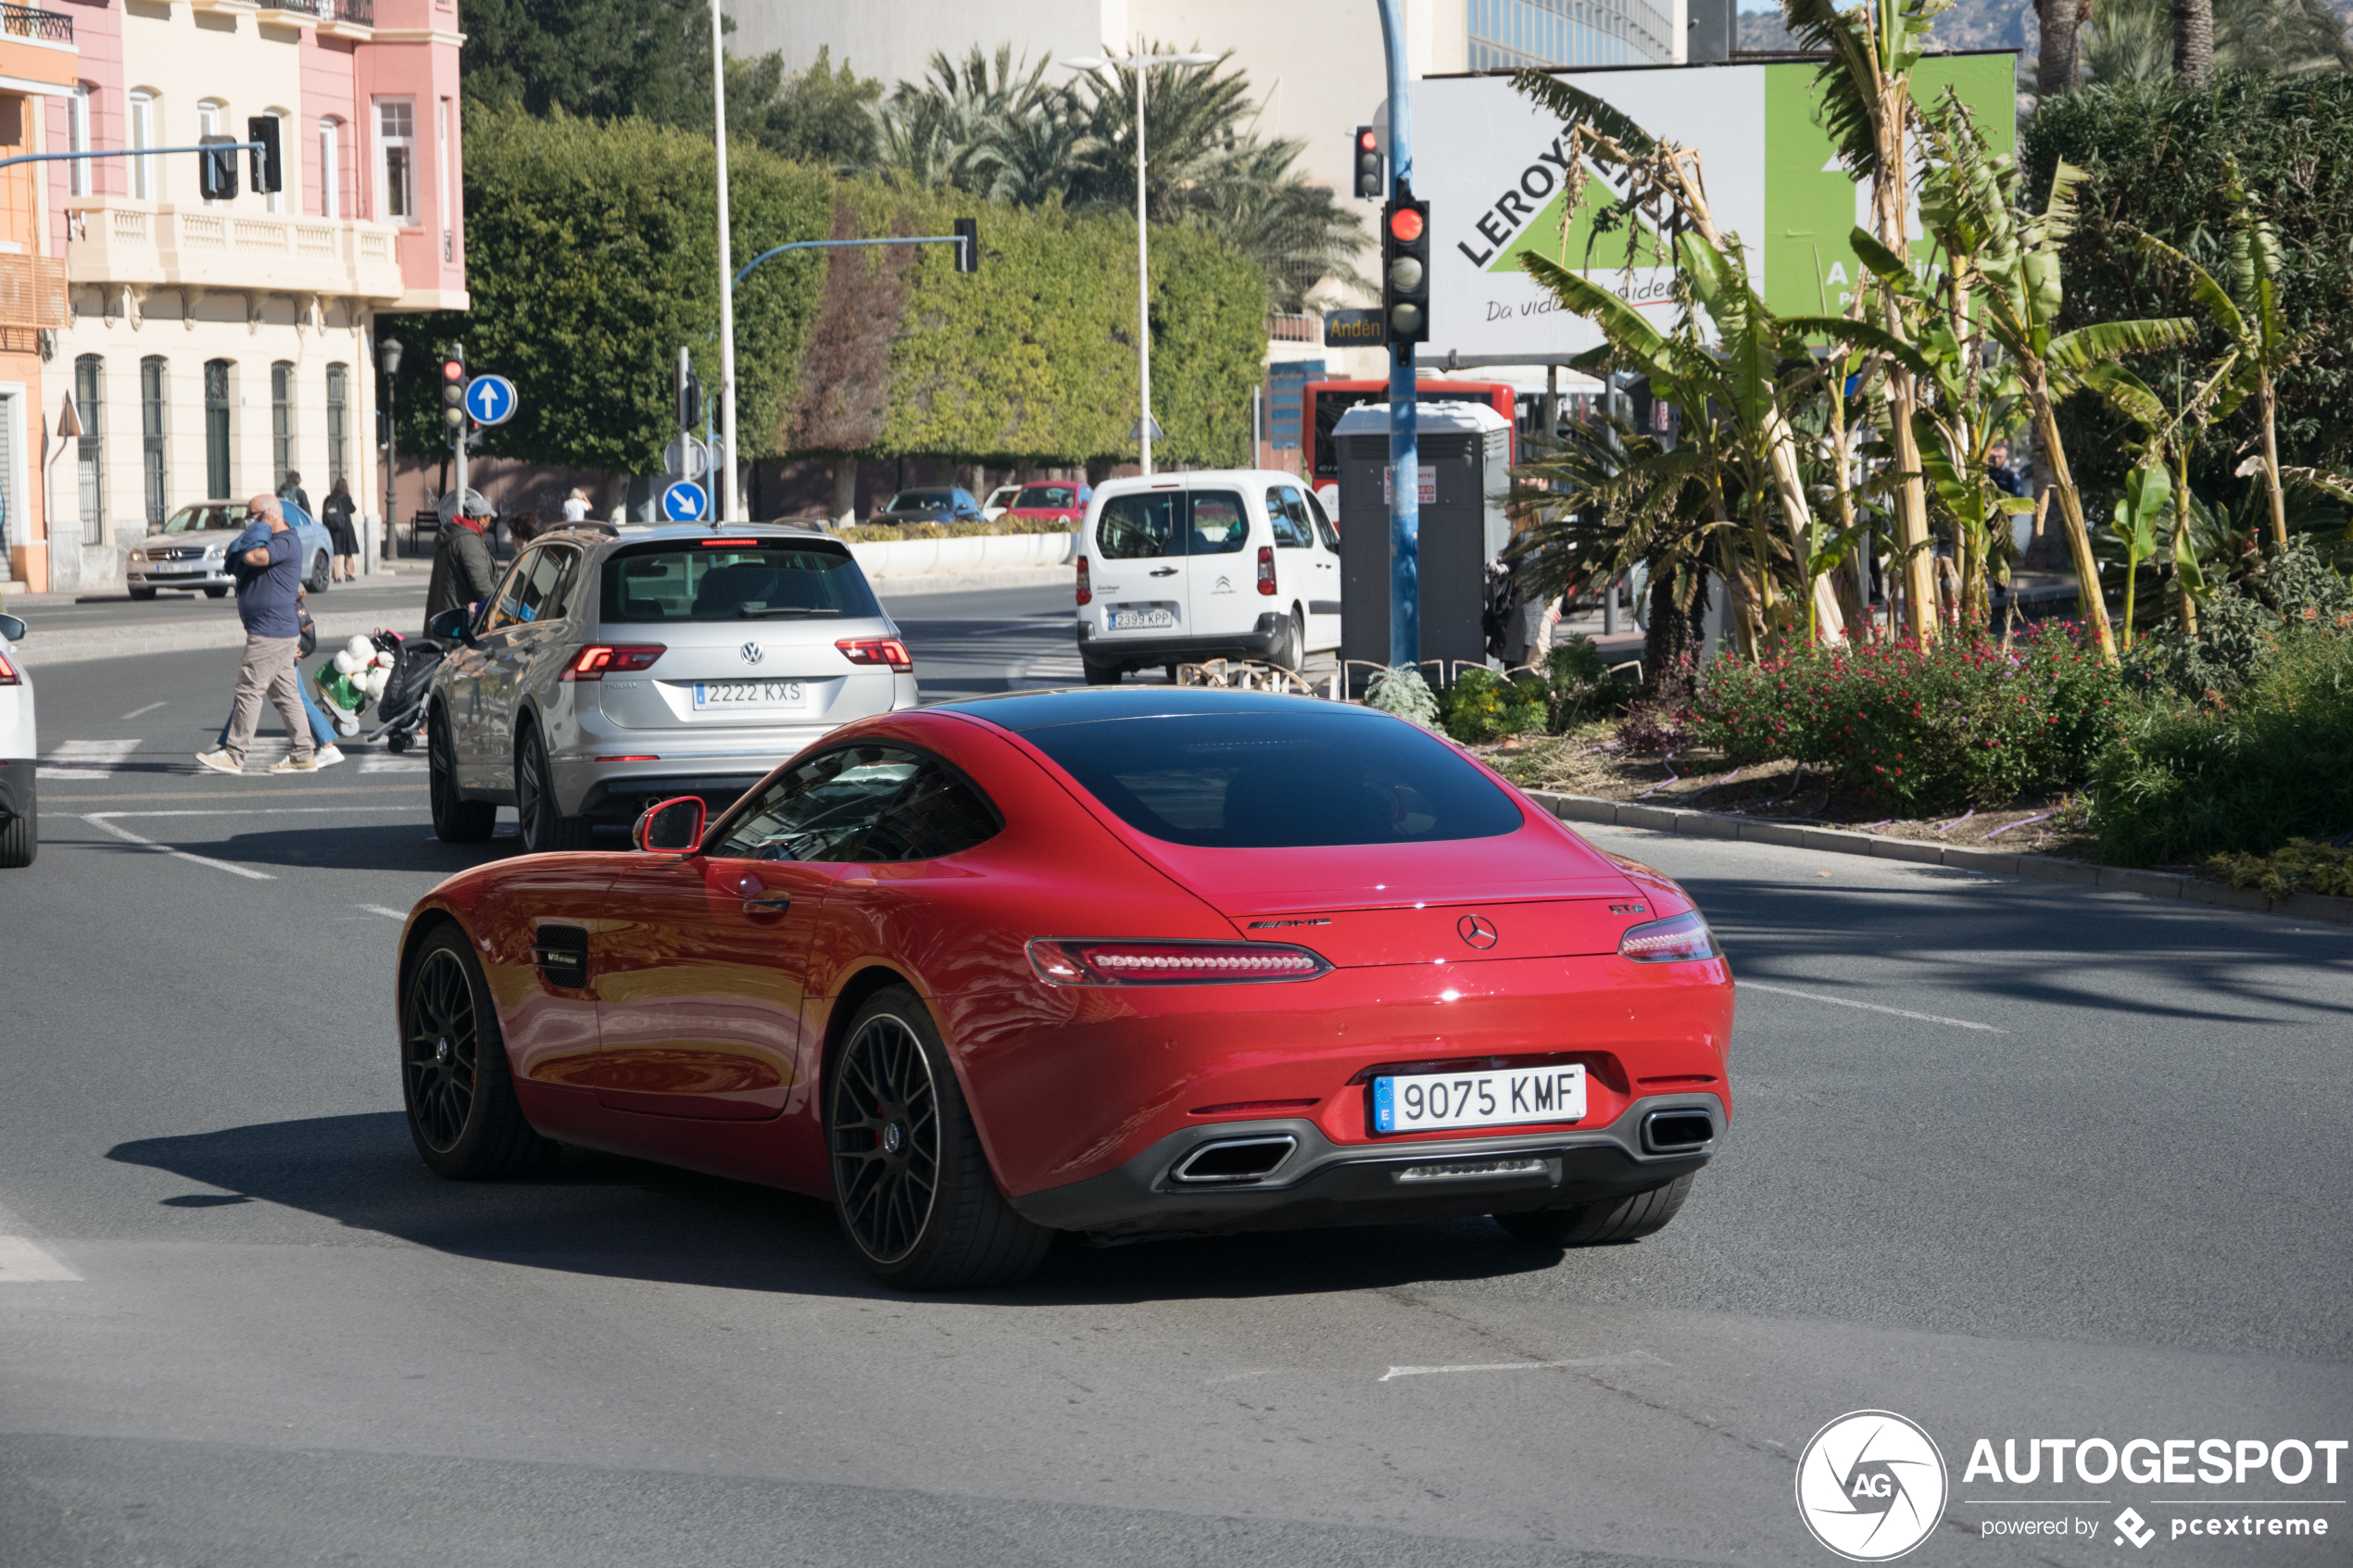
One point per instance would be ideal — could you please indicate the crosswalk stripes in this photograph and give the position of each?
(87, 759)
(391, 764)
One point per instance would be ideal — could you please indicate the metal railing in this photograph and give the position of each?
(23, 21)
(1293, 328)
(363, 12)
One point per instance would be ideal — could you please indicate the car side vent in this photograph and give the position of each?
(562, 953)
(1232, 1161)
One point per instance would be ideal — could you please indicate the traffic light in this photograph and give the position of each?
(1404, 256)
(269, 172)
(217, 168)
(453, 394)
(968, 251)
(1368, 161)
(685, 389)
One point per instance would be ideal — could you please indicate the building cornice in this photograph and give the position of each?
(419, 35)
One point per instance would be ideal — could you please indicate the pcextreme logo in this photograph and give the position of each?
(1871, 1485)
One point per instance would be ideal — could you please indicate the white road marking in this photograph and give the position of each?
(379, 910)
(141, 712)
(1871, 1007)
(98, 820)
(389, 764)
(87, 759)
(24, 1263)
(1638, 1358)
(105, 820)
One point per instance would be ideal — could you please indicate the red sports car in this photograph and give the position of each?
(1113, 960)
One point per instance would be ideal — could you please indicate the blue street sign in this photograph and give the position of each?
(685, 502)
(491, 399)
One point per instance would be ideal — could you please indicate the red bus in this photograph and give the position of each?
(1327, 400)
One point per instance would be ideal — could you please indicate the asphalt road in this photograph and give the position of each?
(2015, 1160)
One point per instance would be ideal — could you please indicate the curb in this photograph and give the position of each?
(1993, 863)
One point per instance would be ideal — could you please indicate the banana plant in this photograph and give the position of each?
(2008, 263)
(2168, 435)
(2148, 494)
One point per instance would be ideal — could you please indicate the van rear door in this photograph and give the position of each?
(1221, 569)
(1138, 568)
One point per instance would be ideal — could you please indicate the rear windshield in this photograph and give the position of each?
(1048, 495)
(915, 500)
(1268, 781)
(691, 582)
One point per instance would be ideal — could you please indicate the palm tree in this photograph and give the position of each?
(1298, 233)
(2146, 40)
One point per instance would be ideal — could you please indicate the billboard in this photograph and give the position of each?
(1490, 163)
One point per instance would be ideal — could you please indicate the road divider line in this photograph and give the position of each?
(1636, 1358)
(98, 820)
(379, 910)
(1871, 1007)
(142, 713)
(21, 1263)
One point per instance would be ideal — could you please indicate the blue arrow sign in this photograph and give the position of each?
(491, 399)
(685, 502)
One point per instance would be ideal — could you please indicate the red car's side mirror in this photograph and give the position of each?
(672, 827)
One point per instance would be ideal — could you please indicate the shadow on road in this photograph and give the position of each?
(606, 1215)
(361, 846)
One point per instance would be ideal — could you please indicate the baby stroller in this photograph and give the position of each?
(400, 711)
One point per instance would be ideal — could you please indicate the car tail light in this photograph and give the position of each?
(1070, 962)
(1085, 584)
(1668, 941)
(599, 660)
(8, 676)
(717, 543)
(877, 650)
(1266, 569)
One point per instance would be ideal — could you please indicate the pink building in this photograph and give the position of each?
(214, 346)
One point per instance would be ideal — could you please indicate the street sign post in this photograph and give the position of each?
(686, 457)
(491, 399)
(685, 502)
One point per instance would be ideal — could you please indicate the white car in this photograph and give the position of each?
(1177, 569)
(999, 499)
(19, 813)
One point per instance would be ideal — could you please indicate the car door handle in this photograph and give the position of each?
(767, 904)
(1164, 571)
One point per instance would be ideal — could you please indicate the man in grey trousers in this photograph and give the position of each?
(268, 579)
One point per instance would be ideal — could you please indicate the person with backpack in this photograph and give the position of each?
(338, 520)
(463, 572)
(268, 579)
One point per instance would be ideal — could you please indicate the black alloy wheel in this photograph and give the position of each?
(318, 575)
(455, 819)
(544, 827)
(463, 1112)
(912, 1186)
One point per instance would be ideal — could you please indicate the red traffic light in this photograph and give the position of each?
(1366, 141)
(453, 369)
(1405, 224)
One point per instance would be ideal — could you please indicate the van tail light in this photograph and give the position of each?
(1085, 584)
(1087, 963)
(1266, 568)
(8, 676)
(1677, 940)
(599, 660)
(877, 650)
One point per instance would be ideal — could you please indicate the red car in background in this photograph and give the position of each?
(1052, 501)
(1117, 961)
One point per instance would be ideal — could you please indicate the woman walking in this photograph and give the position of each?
(346, 538)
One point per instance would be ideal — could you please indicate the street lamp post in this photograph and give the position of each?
(1138, 60)
(388, 354)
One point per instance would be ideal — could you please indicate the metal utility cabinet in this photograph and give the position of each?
(1466, 461)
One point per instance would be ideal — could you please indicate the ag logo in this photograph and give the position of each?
(1871, 1485)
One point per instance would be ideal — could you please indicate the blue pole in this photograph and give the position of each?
(1405, 459)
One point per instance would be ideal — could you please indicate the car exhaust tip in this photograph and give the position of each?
(1676, 1132)
(1232, 1161)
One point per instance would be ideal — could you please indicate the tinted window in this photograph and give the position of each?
(1220, 524)
(1252, 781)
(1048, 495)
(535, 589)
(919, 500)
(1140, 527)
(733, 583)
(1323, 523)
(863, 803)
(1287, 514)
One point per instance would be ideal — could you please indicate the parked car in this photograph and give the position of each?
(20, 751)
(999, 499)
(188, 554)
(932, 503)
(1218, 564)
(1120, 962)
(1052, 501)
(614, 667)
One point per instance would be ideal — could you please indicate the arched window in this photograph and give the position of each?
(147, 173)
(90, 405)
(330, 168)
(154, 434)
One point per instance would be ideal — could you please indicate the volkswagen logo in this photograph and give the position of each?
(1478, 930)
(752, 653)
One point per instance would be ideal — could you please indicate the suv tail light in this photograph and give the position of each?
(1677, 940)
(8, 676)
(599, 660)
(1074, 962)
(1085, 584)
(1266, 569)
(877, 650)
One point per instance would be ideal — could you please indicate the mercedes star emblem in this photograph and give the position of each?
(751, 652)
(1478, 930)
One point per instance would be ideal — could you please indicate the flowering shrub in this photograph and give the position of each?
(1964, 722)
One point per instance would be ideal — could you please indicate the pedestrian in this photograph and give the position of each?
(576, 505)
(522, 528)
(463, 573)
(323, 729)
(269, 599)
(341, 530)
(1997, 468)
(290, 489)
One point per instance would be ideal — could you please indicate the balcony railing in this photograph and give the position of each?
(1293, 328)
(23, 21)
(362, 12)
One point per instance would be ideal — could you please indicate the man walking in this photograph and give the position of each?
(463, 573)
(291, 490)
(269, 580)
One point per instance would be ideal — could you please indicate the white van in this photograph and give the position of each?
(1221, 563)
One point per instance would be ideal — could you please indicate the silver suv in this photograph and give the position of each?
(613, 667)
